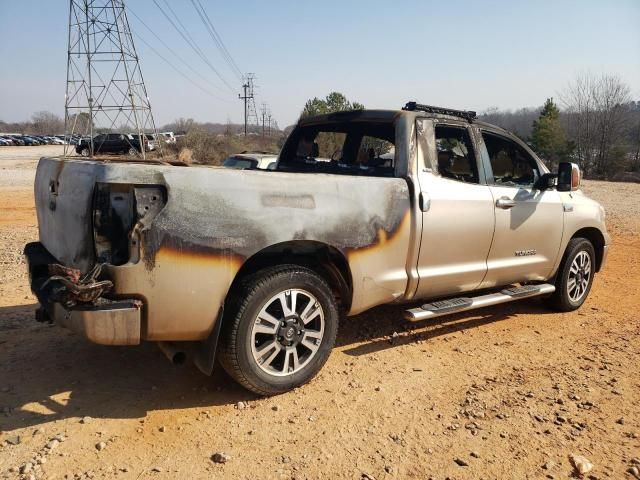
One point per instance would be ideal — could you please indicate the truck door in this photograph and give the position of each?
(529, 221)
(457, 210)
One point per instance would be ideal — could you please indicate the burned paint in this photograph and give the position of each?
(382, 278)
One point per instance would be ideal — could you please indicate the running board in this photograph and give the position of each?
(462, 304)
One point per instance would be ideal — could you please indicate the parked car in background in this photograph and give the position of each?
(111, 143)
(152, 142)
(168, 137)
(4, 142)
(17, 140)
(56, 140)
(252, 161)
(30, 141)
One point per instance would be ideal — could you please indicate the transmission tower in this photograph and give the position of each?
(252, 113)
(105, 87)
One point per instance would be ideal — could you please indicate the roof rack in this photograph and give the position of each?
(466, 114)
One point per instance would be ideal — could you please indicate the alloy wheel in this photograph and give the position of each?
(287, 332)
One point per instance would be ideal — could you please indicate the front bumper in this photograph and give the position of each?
(104, 321)
(605, 254)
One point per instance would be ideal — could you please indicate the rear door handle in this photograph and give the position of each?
(505, 203)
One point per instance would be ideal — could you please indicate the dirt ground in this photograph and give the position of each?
(505, 392)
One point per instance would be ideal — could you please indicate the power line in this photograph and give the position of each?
(179, 71)
(215, 36)
(187, 38)
(171, 50)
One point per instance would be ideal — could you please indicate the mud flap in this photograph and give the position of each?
(205, 354)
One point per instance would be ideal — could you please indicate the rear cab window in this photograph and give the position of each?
(345, 148)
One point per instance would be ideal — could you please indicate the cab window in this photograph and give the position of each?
(344, 148)
(511, 164)
(456, 158)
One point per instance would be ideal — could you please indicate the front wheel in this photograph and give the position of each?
(575, 276)
(280, 330)
(84, 152)
(133, 151)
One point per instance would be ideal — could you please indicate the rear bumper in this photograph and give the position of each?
(104, 321)
(108, 323)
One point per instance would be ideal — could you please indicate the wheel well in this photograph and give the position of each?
(326, 261)
(597, 240)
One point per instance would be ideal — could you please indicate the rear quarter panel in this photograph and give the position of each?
(216, 219)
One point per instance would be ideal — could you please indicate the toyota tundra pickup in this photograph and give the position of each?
(424, 207)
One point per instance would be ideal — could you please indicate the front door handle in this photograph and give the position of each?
(425, 202)
(505, 203)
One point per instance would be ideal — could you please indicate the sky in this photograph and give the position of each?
(460, 54)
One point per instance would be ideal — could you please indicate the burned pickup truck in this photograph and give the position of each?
(425, 207)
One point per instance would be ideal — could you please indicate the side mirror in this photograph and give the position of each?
(546, 181)
(568, 177)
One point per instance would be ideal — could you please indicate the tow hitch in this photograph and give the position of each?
(69, 287)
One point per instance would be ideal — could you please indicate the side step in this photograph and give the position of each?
(462, 304)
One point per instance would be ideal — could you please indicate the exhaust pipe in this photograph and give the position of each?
(175, 354)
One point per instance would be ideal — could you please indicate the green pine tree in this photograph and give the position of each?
(548, 137)
(334, 102)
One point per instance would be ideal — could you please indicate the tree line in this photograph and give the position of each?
(595, 124)
(41, 123)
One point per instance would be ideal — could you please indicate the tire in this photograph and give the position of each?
(259, 335)
(84, 152)
(133, 151)
(575, 276)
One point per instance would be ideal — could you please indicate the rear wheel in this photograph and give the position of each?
(281, 329)
(575, 276)
(133, 151)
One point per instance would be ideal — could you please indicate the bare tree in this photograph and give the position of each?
(596, 111)
(46, 123)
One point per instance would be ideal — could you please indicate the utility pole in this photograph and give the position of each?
(269, 119)
(105, 88)
(247, 97)
(263, 111)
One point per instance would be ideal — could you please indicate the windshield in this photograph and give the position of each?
(240, 162)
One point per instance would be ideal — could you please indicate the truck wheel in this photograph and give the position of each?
(84, 152)
(133, 151)
(575, 276)
(281, 329)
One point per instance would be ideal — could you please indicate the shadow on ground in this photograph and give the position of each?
(376, 327)
(49, 373)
